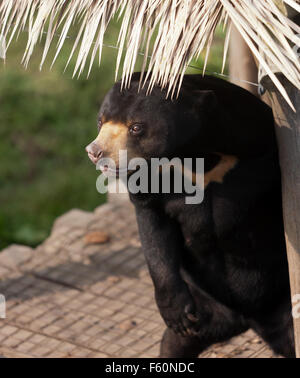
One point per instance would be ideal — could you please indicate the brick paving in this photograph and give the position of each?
(70, 298)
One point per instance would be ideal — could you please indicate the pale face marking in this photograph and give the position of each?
(112, 138)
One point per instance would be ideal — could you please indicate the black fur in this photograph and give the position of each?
(219, 267)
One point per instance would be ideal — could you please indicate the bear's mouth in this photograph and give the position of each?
(109, 171)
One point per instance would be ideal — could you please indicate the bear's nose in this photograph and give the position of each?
(94, 152)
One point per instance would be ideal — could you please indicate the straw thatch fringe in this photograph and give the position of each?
(172, 31)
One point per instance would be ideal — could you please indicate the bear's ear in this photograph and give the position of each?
(205, 100)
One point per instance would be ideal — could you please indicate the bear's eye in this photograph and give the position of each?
(99, 124)
(136, 129)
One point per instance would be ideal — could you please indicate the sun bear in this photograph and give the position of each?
(218, 267)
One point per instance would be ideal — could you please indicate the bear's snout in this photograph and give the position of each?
(94, 152)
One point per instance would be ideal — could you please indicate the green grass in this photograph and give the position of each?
(46, 120)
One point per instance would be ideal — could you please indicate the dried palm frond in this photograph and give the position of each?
(171, 31)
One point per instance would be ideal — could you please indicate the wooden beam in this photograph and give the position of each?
(242, 65)
(288, 137)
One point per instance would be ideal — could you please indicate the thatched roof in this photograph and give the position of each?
(171, 31)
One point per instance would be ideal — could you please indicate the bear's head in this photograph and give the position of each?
(144, 125)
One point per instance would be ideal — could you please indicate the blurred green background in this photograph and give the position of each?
(47, 118)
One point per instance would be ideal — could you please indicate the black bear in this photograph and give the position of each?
(219, 267)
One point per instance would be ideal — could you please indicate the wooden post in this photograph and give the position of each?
(242, 65)
(288, 137)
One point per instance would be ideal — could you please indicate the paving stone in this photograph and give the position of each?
(73, 219)
(69, 299)
(15, 255)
